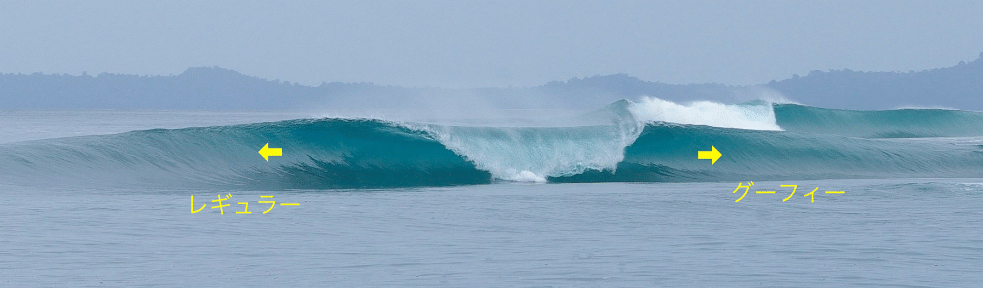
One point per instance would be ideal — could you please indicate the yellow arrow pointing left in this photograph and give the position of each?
(267, 152)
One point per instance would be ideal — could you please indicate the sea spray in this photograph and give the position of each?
(756, 115)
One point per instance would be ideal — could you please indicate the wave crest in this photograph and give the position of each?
(755, 115)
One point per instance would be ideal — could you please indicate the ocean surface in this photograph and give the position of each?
(613, 197)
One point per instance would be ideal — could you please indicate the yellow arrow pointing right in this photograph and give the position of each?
(713, 154)
(267, 152)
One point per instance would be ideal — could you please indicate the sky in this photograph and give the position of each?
(461, 44)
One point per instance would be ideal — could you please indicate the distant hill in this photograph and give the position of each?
(197, 88)
(213, 88)
(960, 87)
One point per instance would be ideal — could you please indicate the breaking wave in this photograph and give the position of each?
(652, 140)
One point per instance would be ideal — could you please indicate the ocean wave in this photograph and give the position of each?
(901, 123)
(649, 141)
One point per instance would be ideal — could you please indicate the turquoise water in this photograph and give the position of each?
(624, 142)
(103, 198)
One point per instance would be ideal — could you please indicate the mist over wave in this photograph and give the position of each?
(652, 140)
(756, 115)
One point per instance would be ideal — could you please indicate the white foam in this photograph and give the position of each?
(533, 154)
(741, 116)
(527, 176)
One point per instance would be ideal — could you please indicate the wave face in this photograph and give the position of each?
(902, 123)
(650, 141)
(667, 153)
(327, 153)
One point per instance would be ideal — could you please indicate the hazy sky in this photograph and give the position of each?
(485, 43)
